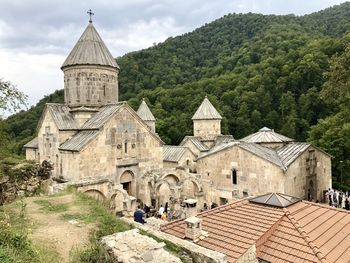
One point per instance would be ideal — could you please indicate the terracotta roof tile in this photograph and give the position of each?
(232, 228)
(303, 232)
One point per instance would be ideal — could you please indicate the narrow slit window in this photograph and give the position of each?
(234, 176)
(126, 147)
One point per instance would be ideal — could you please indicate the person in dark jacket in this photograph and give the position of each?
(347, 205)
(139, 216)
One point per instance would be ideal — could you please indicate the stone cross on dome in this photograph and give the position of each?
(90, 14)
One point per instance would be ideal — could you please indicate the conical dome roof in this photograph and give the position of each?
(206, 111)
(266, 135)
(144, 112)
(90, 50)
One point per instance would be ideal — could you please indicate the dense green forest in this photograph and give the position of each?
(257, 70)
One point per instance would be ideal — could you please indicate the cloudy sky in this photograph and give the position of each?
(37, 35)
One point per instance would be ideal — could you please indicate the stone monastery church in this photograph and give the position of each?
(105, 148)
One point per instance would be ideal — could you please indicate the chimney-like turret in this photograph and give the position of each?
(193, 229)
(146, 115)
(206, 121)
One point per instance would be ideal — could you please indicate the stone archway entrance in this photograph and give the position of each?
(95, 194)
(127, 180)
(163, 193)
(311, 189)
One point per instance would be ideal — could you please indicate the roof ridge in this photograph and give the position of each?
(305, 236)
(327, 206)
(234, 204)
(266, 236)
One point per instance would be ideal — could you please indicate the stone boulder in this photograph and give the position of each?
(132, 247)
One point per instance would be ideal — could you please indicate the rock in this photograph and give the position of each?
(147, 256)
(21, 193)
(4, 179)
(73, 222)
(130, 246)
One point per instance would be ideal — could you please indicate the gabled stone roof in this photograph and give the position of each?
(266, 135)
(206, 111)
(33, 144)
(144, 112)
(78, 141)
(196, 142)
(174, 153)
(61, 115)
(268, 154)
(93, 126)
(104, 114)
(90, 50)
(290, 152)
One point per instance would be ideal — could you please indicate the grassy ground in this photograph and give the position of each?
(65, 227)
(40, 229)
(107, 224)
(15, 245)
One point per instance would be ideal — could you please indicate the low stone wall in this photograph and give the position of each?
(196, 254)
(132, 247)
(24, 179)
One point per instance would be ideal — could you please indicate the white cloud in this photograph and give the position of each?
(35, 75)
(140, 34)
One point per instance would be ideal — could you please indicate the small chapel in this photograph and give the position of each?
(108, 150)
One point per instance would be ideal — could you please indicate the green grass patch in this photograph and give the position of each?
(106, 224)
(49, 207)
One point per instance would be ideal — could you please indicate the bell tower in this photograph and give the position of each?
(90, 72)
(206, 121)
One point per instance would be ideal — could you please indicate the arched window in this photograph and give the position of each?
(234, 176)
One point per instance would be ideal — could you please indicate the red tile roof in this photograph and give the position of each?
(232, 228)
(302, 232)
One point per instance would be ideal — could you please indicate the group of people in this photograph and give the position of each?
(140, 215)
(337, 198)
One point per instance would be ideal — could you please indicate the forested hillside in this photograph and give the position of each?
(257, 70)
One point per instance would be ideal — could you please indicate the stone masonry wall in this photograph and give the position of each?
(90, 85)
(255, 175)
(24, 179)
(298, 172)
(207, 129)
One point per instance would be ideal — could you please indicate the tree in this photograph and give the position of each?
(11, 99)
(333, 132)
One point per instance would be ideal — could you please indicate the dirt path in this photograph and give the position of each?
(55, 233)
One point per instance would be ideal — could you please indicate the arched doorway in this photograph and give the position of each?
(190, 188)
(128, 183)
(172, 179)
(118, 202)
(163, 193)
(95, 194)
(311, 191)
